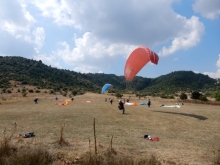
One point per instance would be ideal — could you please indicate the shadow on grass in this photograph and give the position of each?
(185, 114)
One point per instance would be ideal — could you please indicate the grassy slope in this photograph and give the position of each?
(183, 138)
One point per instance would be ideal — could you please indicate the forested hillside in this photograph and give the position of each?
(32, 72)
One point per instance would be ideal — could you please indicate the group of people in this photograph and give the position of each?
(36, 99)
(121, 105)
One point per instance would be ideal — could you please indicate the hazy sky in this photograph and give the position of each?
(97, 36)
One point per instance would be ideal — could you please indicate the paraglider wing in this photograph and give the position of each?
(105, 87)
(137, 60)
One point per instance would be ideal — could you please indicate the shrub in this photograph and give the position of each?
(171, 97)
(74, 92)
(4, 90)
(24, 94)
(37, 91)
(203, 98)
(118, 95)
(31, 90)
(217, 96)
(51, 92)
(195, 95)
(8, 91)
(163, 96)
(64, 93)
(183, 96)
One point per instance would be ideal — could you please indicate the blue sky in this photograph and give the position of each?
(97, 36)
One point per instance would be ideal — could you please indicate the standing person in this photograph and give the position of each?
(111, 101)
(36, 100)
(121, 104)
(149, 103)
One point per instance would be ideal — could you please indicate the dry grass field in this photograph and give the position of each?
(189, 135)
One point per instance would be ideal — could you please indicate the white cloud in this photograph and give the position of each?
(48, 60)
(104, 29)
(217, 73)
(39, 36)
(196, 72)
(90, 53)
(83, 69)
(208, 9)
(136, 23)
(14, 18)
(188, 37)
(17, 22)
(59, 11)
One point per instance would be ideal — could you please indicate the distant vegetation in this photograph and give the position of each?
(31, 72)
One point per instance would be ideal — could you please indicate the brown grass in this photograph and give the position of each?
(187, 135)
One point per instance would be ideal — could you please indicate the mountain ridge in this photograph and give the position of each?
(32, 72)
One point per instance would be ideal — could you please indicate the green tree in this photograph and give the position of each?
(203, 98)
(64, 94)
(118, 95)
(24, 93)
(195, 95)
(37, 91)
(4, 90)
(23, 90)
(217, 96)
(183, 96)
(74, 92)
(9, 91)
(31, 90)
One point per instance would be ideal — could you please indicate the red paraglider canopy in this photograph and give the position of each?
(137, 60)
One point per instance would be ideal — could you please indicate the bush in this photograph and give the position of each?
(64, 94)
(4, 90)
(118, 95)
(195, 95)
(8, 91)
(74, 92)
(31, 90)
(163, 96)
(183, 96)
(51, 92)
(24, 94)
(19, 90)
(37, 91)
(203, 98)
(217, 96)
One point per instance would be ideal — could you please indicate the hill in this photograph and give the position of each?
(32, 72)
